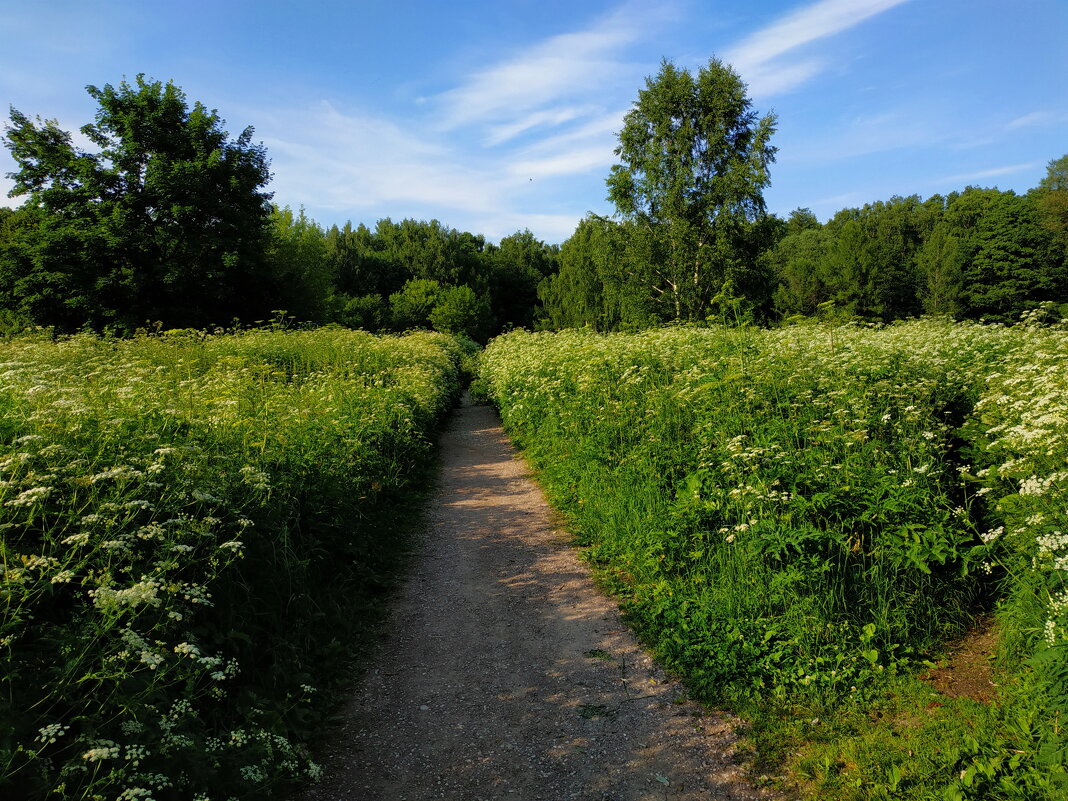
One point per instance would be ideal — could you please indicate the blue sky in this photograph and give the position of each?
(498, 116)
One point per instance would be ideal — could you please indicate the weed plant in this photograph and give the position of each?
(189, 525)
(795, 519)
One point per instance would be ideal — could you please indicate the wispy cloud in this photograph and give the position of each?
(1034, 119)
(369, 167)
(6, 184)
(885, 130)
(550, 117)
(978, 175)
(758, 57)
(323, 157)
(575, 161)
(541, 84)
(584, 148)
(546, 73)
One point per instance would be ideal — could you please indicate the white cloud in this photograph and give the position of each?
(568, 163)
(323, 157)
(756, 57)
(540, 84)
(1034, 119)
(502, 133)
(503, 142)
(368, 167)
(603, 128)
(994, 172)
(863, 135)
(548, 73)
(581, 150)
(552, 228)
(767, 80)
(6, 185)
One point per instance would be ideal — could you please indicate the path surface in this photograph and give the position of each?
(506, 675)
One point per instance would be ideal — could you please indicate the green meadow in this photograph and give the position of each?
(799, 520)
(194, 532)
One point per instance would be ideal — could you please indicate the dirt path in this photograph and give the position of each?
(507, 675)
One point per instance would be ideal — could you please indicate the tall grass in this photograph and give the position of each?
(792, 516)
(188, 525)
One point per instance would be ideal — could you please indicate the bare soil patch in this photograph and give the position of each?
(968, 669)
(505, 673)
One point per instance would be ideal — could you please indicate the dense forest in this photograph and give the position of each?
(168, 225)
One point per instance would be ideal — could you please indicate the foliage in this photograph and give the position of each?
(590, 288)
(517, 266)
(460, 311)
(1051, 201)
(296, 255)
(1010, 269)
(695, 160)
(166, 221)
(410, 307)
(191, 529)
(980, 253)
(366, 264)
(793, 517)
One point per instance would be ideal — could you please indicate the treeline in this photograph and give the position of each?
(167, 224)
(978, 254)
(406, 275)
(691, 239)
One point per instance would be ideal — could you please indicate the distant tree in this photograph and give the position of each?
(359, 263)
(166, 221)
(411, 306)
(870, 265)
(801, 220)
(430, 250)
(695, 160)
(797, 262)
(514, 270)
(296, 258)
(939, 263)
(369, 312)
(1013, 266)
(459, 310)
(596, 285)
(1051, 202)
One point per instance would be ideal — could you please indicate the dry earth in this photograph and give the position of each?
(507, 675)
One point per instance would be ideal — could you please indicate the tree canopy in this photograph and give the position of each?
(165, 221)
(695, 159)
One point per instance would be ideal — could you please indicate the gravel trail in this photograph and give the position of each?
(506, 674)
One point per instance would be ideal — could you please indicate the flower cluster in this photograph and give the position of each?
(157, 498)
(759, 490)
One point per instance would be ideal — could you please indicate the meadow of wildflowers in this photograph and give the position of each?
(794, 518)
(188, 524)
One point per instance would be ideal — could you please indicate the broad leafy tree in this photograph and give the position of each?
(595, 284)
(1051, 201)
(167, 220)
(460, 311)
(1013, 266)
(515, 268)
(939, 262)
(297, 260)
(695, 158)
